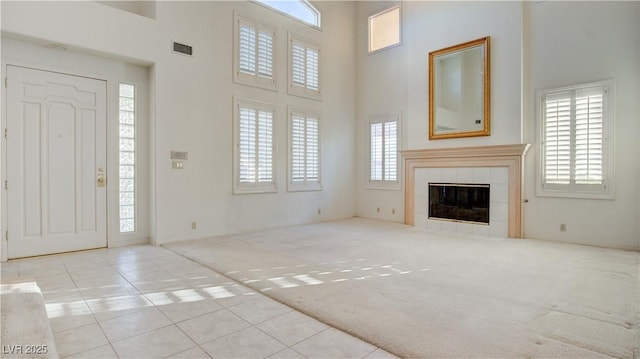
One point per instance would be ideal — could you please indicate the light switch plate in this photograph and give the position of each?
(179, 155)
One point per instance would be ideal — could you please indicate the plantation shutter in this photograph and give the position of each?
(305, 68)
(589, 136)
(384, 151)
(557, 144)
(305, 158)
(247, 49)
(312, 69)
(247, 145)
(255, 145)
(390, 151)
(297, 148)
(376, 152)
(265, 54)
(298, 64)
(313, 151)
(575, 139)
(254, 58)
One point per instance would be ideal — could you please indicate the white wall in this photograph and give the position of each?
(397, 80)
(564, 43)
(192, 108)
(571, 43)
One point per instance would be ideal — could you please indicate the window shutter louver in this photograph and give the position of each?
(313, 159)
(298, 65)
(304, 68)
(265, 146)
(305, 156)
(265, 54)
(312, 69)
(558, 139)
(255, 147)
(254, 59)
(589, 137)
(247, 49)
(575, 125)
(247, 146)
(376, 152)
(297, 148)
(384, 152)
(390, 151)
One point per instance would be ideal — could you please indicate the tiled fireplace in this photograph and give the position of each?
(497, 167)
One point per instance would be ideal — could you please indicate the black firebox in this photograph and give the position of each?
(459, 202)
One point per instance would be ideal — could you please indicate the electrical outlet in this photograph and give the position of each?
(194, 225)
(378, 210)
(319, 211)
(393, 211)
(563, 227)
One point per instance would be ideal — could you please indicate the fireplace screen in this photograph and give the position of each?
(459, 202)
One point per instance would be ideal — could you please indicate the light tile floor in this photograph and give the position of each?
(149, 302)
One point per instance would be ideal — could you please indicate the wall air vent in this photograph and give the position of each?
(182, 49)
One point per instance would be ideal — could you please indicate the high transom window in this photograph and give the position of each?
(384, 29)
(575, 131)
(298, 9)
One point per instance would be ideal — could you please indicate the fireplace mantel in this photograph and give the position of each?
(510, 156)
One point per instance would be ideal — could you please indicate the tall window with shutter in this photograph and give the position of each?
(304, 151)
(383, 152)
(254, 147)
(575, 132)
(254, 56)
(304, 68)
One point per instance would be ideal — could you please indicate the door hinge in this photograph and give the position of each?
(6, 82)
(6, 235)
(6, 133)
(6, 184)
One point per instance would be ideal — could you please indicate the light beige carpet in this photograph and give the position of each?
(422, 294)
(25, 330)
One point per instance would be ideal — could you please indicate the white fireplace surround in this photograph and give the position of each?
(496, 177)
(463, 161)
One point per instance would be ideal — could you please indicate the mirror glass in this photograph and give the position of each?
(459, 90)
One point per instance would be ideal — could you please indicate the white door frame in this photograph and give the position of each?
(3, 148)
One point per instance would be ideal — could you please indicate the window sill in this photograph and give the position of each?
(305, 94)
(255, 190)
(575, 195)
(384, 186)
(309, 187)
(266, 85)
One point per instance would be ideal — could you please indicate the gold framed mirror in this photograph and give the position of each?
(459, 90)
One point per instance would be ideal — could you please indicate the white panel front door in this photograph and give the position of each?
(56, 153)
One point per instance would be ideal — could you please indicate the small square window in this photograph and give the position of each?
(384, 29)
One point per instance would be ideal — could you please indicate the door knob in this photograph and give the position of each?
(102, 179)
